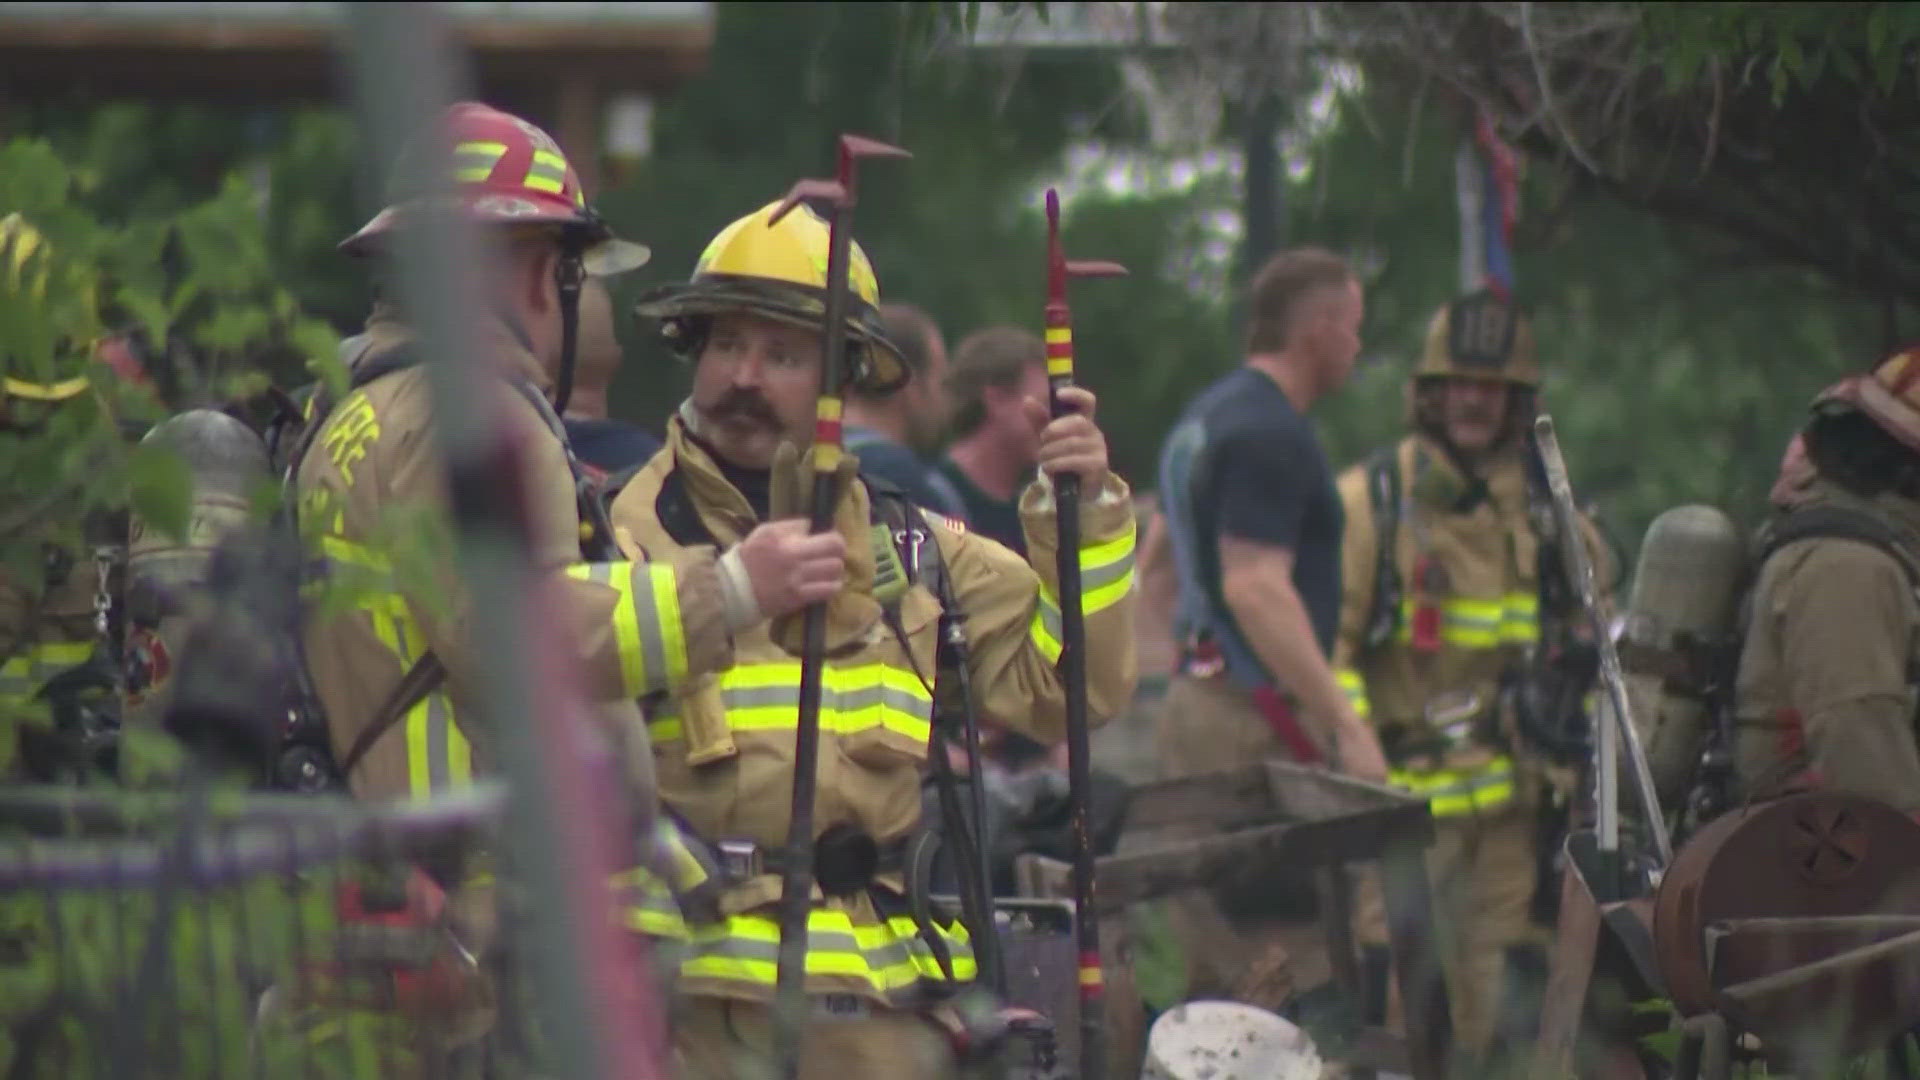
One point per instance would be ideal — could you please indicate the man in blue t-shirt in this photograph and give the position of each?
(1254, 523)
(889, 433)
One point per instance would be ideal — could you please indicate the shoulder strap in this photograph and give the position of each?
(912, 539)
(423, 678)
(1844, 522)
(1383, 495)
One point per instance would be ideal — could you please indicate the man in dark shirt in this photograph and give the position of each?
(992, 455)
(889, 432)
(1254, 522)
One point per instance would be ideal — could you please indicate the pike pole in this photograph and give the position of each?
(1617, 731)
(1073, 653)
(796, 887)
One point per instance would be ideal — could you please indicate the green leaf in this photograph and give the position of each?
(149, 311)
(160, 488)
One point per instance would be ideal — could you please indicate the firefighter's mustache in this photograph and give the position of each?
(740, 405)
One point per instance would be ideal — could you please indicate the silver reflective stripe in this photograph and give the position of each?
(1050, 616)
(837, 700)
(1100, 577)
(653, 648)
(439, 756)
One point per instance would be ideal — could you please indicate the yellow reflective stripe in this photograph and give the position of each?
(666, 924)
(766, 697)
(1095, 600)
(1481, 624)
(1356, 690)
(474, 161)
(1106, 577)
(888, 957)
(1045, 630)
(648, 905)
(23, 674)
(684, 868)
(59, 391)
(1520, 622)
(646, 621)
(341, 550)
(438, 753)
(1451, 792)
(548, 172)
(666, 610)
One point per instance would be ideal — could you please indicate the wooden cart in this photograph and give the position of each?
(1189, 833)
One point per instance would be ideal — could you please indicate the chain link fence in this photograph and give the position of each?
(220, 934)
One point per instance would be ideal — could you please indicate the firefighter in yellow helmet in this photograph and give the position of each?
(750, 321)
(1441, 564)
(1825, 692)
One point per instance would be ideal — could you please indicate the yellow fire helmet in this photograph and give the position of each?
(1889, 395)
(24, 277)
(779, 270)
(1480, 336)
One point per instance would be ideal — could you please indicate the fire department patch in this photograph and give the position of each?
(148, 662)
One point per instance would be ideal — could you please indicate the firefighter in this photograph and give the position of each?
(50, 612)
(879, 975)
(1441, 563)
(392, 666)
(46, 618)
(1825, 691)
(373, 466)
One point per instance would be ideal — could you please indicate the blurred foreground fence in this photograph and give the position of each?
(250, 935)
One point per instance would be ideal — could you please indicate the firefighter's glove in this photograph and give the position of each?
(853, 612)
(981, 1031)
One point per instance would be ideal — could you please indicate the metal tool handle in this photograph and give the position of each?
(1616, 729)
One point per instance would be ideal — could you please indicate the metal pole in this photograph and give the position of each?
(1618, 721)
(796, 887)
(592, 1001)
(1073, 654)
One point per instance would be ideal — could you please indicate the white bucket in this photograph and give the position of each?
(1224, 1040)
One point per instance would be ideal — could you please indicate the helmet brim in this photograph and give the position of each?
(614, 256)
(1866, 394)
(484, 208)
(1423, 378)
(793, 305)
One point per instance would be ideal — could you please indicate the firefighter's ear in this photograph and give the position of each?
(532, 277)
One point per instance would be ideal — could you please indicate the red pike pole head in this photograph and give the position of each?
(1059, 316)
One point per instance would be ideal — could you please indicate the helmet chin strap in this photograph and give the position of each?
(570, 274)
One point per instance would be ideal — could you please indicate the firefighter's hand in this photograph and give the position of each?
(790, 568)
(1071, 444)
(1357, 749)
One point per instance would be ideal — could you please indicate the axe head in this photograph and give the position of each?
(859, 146)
